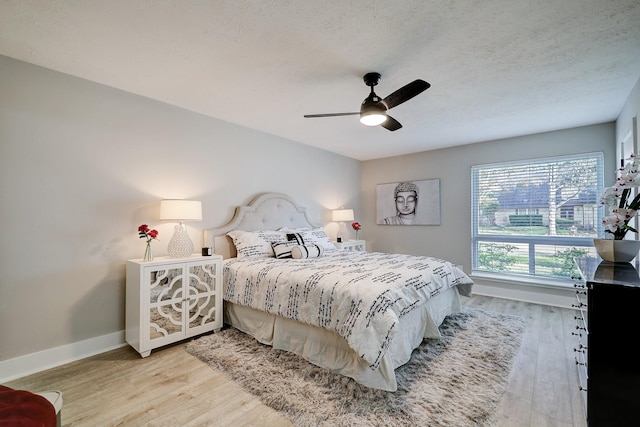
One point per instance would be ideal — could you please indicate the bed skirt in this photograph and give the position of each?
(329, 350)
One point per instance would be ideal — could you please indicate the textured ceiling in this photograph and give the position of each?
(498, 68)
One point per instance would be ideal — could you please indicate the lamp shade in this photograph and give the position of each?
(181, 210)
(343, 215)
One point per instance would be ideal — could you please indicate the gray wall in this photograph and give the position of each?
(82, 165)
(630, 110)
(452, 239)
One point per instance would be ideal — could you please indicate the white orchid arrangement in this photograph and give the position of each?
(617, 199)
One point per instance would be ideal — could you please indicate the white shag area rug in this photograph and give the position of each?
(454, 381)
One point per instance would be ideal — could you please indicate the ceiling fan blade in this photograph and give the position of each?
(391, 124)
(405, 93)
(310, 116)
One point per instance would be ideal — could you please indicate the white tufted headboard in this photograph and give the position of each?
(268, 211)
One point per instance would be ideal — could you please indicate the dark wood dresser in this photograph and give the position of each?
(609, 309)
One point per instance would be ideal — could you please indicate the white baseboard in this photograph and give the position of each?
(46, 359)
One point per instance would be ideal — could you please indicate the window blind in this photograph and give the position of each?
(532, 217)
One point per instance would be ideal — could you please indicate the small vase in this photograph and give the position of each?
(148, 255)
(617, 250)
(356, 234)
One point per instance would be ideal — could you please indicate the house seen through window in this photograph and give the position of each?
(533, 217)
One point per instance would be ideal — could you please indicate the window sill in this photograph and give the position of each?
(543, 282)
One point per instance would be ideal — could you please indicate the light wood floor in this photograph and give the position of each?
(172, 388)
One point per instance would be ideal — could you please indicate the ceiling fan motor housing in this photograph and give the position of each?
(372, 104)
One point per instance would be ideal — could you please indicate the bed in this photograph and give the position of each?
(360, 314)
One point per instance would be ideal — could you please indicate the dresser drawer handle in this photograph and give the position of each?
(581, 349)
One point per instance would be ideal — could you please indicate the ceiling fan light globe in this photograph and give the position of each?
(373, 119)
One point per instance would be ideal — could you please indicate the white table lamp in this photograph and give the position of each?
(180, 245)
(340, 216)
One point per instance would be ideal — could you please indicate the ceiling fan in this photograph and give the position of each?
(373, 111)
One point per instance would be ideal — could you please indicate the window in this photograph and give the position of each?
(533, 217)
(567, 212)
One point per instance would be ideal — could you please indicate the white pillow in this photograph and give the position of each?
(283, 249)
(306, 251)
(256, 243)
(293, 230)
(316, 236)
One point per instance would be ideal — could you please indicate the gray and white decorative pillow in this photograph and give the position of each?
(317, 236)
(283, 249)
(306, 251)
(293, 230)
(256, 243)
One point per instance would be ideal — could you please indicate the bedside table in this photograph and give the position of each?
(170, 299)
(352, 245)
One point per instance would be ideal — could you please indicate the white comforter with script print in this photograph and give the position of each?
(358, 295)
